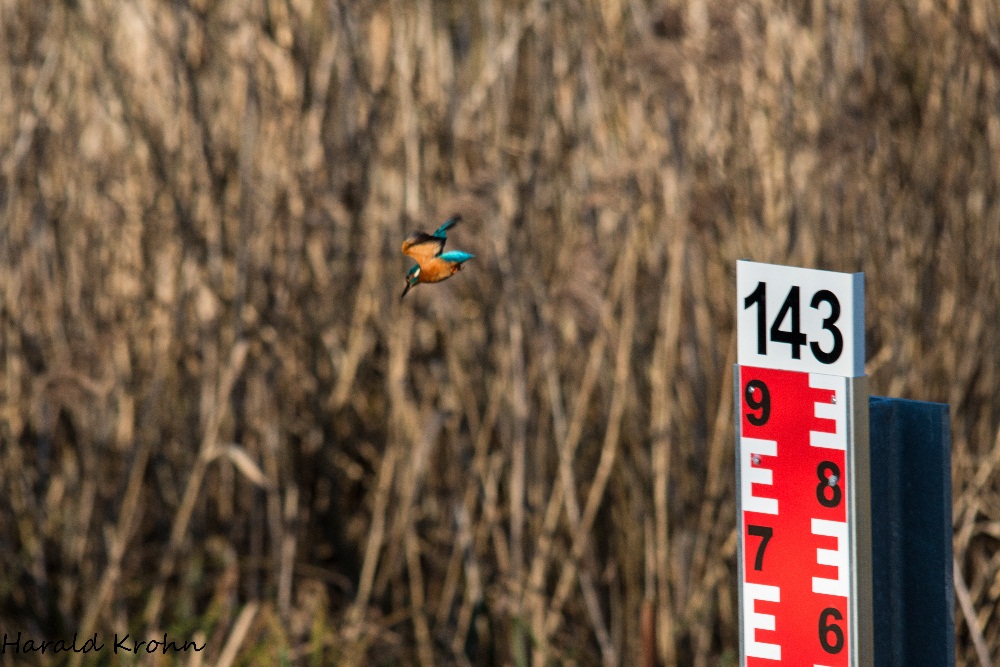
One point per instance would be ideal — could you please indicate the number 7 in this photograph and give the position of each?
(764, 532)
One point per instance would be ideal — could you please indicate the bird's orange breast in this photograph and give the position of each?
(436, 270)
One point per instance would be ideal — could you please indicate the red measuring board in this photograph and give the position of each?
(794, 519)
(801, 469)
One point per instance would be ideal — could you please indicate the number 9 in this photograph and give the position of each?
(762, 405)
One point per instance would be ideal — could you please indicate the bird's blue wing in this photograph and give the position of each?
(442, 231)
(456, 256)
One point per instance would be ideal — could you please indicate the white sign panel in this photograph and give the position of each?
(803, 320)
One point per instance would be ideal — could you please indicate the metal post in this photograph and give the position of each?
(914, 598)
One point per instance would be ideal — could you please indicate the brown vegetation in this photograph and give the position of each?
(218, 420)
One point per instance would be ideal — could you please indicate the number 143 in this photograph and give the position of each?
(793, 335)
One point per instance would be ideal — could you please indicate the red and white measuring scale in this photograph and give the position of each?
(802, 468)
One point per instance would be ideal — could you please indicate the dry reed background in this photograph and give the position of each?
(218, 421)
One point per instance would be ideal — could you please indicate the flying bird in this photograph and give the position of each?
(432, 265)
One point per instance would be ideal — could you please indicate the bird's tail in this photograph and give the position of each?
(456, 256)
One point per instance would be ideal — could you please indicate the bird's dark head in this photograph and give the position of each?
(412, 278)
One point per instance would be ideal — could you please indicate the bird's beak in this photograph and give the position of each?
(405, 290)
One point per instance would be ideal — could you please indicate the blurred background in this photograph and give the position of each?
(218, 420)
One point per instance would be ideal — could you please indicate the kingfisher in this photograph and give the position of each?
(432, 265)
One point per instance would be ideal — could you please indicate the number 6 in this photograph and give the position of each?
(826, 628)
